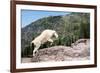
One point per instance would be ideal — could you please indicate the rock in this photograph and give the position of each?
(80, 50)
(81, 47)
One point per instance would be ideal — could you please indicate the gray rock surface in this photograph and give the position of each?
(80, 50)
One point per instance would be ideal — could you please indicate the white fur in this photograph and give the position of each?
(45, 36)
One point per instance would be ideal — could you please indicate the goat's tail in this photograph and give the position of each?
(32, 45)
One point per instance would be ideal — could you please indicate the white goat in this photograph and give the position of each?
(45, 36)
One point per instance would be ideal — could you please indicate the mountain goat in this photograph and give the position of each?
(45, 36)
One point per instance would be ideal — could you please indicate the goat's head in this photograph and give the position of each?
(55, 34)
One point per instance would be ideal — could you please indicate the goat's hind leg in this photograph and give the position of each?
(36, 49)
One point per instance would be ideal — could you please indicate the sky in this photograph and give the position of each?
(28, 16)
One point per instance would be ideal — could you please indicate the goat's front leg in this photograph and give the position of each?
(50, 40)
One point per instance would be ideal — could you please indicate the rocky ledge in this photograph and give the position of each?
(80, 50)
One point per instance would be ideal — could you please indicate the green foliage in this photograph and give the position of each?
(27, 52)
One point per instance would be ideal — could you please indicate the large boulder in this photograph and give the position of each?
(80, 50)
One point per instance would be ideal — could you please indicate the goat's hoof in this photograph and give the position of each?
(33, 55)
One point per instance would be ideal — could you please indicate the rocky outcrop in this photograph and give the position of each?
(80, 50)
